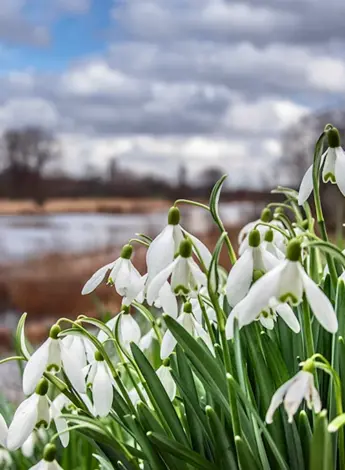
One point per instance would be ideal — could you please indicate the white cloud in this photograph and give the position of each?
(28, 112)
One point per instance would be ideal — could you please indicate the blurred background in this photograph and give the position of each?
(112, 109)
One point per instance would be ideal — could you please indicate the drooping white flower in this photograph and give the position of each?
(269, 245)
(6, 461)
(292, 392)
(56, 408)
(50, 356)
(28, 447)
(286, 283)
(101, 380)
(254, 259)
(189, 323)
(186, 276)
(80, 348)
(164, 375)
(32, 412)
(128, 330)
(166, 299)
(267, 317)
(333, 161)
(48, 462)
(146, 340)
(125, 277)
(3, 431)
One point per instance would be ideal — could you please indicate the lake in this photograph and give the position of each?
(28, 236)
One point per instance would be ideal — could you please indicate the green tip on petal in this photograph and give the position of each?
(187, 308)
(42, 387)
(254, 238)
(257, 274)
(54, 332)
(49, 453)
(269, 236)
(186, 248)
(293, 250)
(166, 362)
(266, 215)
(99, 356)
(126, 251)
(174, 216)
(333, 137)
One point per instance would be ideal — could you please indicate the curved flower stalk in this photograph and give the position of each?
(50, 356)
(33, 412)
(255, 260)
(293, 392)
(126, 278)
(287, 282)
(189, 323)
(48, 462)
(186, 276)
(333, 162)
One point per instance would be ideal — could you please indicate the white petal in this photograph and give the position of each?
(77, 349)
(267, 322)
(72, 369)
(269, 260)
(240, 278)
(340, 169)
(168, 345)
(61, 425)
(277, 399)
(181, 273)
(53, 466)
(135, 287)
(123, 278)
(28, 447)
(43, 412)
(319, 303)
(167, 381)
(290, 283)
(129, 330)
(306, 186)
(96, 279)
(198, 276)
(168, 300)
(36, 367)
(102, 336)
(3, 431)
(102, 390)
(146, 340)
(23, 423)
(329, 165)
(201, 333)
(295, 393)
(246, 229)
(41, 465)
(201, 249)
(158, 281)
(260, 294)
(160, 252)
(287, 314)
(229, 327)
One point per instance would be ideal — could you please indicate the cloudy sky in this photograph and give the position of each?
(157, 82)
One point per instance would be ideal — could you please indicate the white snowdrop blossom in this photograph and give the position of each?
(48, 462)
(292, 392)
(190, 324)
(254, 259)
(266, 317)
(3, 431)
(147, 340)
(186, 276)
(126, 278)
(6, 461)
(210, 312)
(56, 408)
(286, 283)
(127, 328)
(164, 375)
(277, 250)
(28, 447)
(31, 413)
(80, 348)
(166, 299)
(101, 381)
(50, 356)
(333, 161)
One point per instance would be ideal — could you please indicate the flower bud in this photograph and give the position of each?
(42, 387)
(254, 238)
(185, 248)
(269, 236)
(266, 215)
(333, 137)
(174, 216)
(54, 331)
(293, 250)
(126, 251)
(49, 453)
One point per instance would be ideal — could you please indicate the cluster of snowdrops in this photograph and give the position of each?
(194, 367)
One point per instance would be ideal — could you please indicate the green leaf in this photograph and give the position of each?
(105, 464)
(337, 423)
(306, 435)
(20, 341)
(214, 199)
(330, 249)
(321, 449)
(245, 456)
(162, 401)
(180, 451)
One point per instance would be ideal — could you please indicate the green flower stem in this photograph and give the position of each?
(207, 320)
(273, 227)
(308, 332)
(293, 208)
(192, 203)
(147, 313)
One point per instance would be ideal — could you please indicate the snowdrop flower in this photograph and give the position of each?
(28, 447)
(164, 375)
(32, 412)
(56, 408)
(333, 161)
(210, 312)
(189, 323)
(271, 247)
(3, 431)
(266, 317)
(147, 340)
(292, 393)
(48, 462)
(102, 385)
(286, 283)
(166, 299)
(266, 216)
(186, 277)
(80, 348)
(50, 356)
(254, 259)
(127, 328)
(125, 277)
(5, 460)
